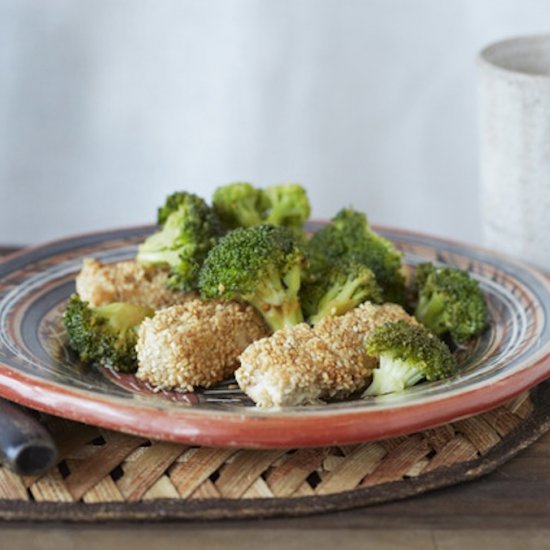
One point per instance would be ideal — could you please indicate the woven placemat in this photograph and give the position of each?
(106, 476)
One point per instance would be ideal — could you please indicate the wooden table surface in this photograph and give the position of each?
(509, 508)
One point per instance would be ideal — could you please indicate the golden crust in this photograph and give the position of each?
(346, 334)
(293, 367)
(127, 281)
(302, 365)
(195, 344)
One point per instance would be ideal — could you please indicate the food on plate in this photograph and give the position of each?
(288, 205)
(261, 265)
(347, 333)
(407, 353)
(302, 365)
(226, 288)
(127, 281)
(450, 301)
(106, 334)
(189, 229)
(349, 237)
(243, 205)
(193, 203)
(240, 205)
(338, 289)
(195, 344)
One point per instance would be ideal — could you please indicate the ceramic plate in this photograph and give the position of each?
(37, 369)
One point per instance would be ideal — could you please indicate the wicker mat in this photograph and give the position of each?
(105, 476)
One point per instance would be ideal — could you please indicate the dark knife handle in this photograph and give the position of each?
(25, 445)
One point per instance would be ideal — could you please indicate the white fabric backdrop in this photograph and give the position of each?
(107, 106)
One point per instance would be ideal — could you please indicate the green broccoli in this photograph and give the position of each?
(243, 205)
(338, 289)
(450, 301)
(349, 237)
(407, 354)
(240, 205)
(175, 200)
(261, 265)
(104, 335)
(190, 228)
(288, 205)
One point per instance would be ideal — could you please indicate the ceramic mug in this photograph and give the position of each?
(514, 116)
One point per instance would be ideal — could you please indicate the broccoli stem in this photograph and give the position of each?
(429, 310)
(337, 301)
(277, 300)
(393, 375)
(159, 257)
(122, 316)
(286, 314)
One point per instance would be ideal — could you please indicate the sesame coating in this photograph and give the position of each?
(346, 334)
(127, 281)
(195, 344)
(282, 372)
(301, 365)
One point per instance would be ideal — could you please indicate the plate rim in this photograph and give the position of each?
(264, 429)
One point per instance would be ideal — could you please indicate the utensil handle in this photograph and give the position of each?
(25, 445)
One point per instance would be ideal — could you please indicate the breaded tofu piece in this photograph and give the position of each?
(294, 367)
(127, 281)
(346, 334)
(301, 365)
(195, 344)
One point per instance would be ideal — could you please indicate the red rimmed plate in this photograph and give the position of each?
(37, 369)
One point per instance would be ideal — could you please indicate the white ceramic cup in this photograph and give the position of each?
(514, 116)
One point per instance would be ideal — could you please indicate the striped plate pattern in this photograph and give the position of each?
(37, 368)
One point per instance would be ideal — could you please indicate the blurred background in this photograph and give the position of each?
(108, 106)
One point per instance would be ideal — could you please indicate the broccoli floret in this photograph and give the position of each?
(349, 237)
(407, 354)
(190, 229)
(450, 301)
(240, 205)
(288, 205)
(338, 289)
(175, 200)
(105, 335)
(261, 265)
(243, 205)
